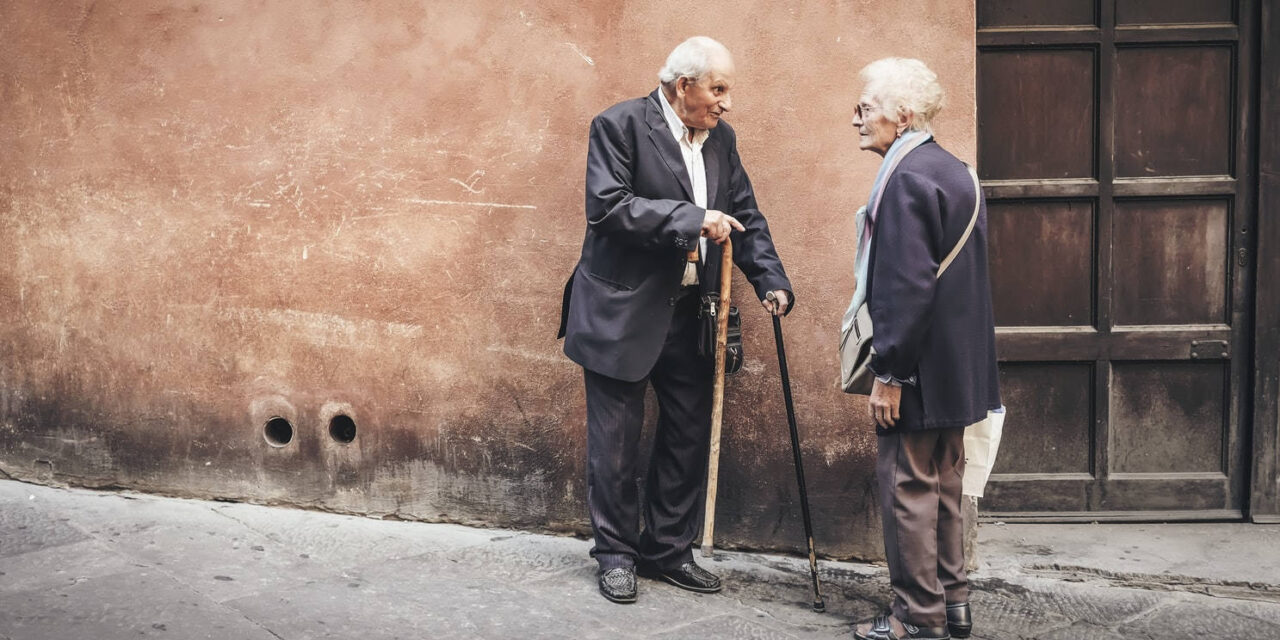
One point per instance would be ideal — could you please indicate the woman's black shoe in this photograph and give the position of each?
(959, 620)
(882, 629)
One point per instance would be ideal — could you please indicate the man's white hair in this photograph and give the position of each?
(693, 59)
(904, 85)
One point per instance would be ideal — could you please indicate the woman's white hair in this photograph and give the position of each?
(692, 58)
(904, 85)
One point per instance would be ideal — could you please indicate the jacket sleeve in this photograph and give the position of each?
(753, 249)
(613, 208)
(904, 276)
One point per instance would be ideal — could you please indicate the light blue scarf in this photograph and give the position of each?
(865, 218)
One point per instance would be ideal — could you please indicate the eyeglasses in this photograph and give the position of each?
(864, 110)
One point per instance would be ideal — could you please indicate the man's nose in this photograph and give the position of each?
(726, 103)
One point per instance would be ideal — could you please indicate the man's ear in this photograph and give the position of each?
(682, 85)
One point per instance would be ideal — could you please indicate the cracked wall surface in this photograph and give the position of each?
(213, 215)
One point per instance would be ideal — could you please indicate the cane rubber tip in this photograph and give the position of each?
(819, 606)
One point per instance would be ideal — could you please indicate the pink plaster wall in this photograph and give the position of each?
(214, 213)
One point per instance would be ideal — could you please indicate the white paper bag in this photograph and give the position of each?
(981, 441)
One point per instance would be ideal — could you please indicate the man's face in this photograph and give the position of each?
(876, 132)
(701, 104)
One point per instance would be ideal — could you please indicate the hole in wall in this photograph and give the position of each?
(278, 432)
(342, 428)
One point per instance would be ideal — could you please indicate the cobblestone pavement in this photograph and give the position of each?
(82, 564)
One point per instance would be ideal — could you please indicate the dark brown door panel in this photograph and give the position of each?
(1110, 143)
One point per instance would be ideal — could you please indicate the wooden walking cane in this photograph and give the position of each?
(717, 402)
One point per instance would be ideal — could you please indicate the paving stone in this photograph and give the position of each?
(515, 556)
(724, 627)
(1085, 631)
(215, 555)
(1208, 617)
(130, 605)
(560, 569)
(573, 592)
(11, 492)
(1216, 551)
(101, 565)
(1077, 601)
(1001, 615)
(257, 547)
(343, 541)
(406, 600)
(25, 527)
(781, 587)
(50, 567)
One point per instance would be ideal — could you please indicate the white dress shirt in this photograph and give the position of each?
(691, 149)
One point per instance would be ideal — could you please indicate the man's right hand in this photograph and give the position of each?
(885, 403)
(717, 226)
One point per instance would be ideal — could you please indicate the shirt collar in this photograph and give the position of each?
(677, 126)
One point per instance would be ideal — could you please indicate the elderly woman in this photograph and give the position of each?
(922, 271)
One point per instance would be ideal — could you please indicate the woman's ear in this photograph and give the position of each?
(902, 122)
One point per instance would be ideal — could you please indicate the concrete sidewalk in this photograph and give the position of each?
(82, 564)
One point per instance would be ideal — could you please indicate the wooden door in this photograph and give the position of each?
(1112, 142)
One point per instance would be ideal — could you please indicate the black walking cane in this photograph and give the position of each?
(818, 604)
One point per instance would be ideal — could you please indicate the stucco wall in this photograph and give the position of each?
(215, 213)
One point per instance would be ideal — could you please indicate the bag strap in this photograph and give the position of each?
(977, 204)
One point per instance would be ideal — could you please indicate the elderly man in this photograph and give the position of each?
(664, 189)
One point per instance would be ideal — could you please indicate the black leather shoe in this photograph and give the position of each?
(688, 576)
(959, 620)
(882, 629)
(618, 584)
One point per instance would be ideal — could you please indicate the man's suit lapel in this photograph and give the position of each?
(711, 161)
(662, 138)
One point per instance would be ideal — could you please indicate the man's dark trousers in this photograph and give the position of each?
(677, 468)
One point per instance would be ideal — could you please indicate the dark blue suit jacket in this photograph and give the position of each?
(641, 223)
(940, 329)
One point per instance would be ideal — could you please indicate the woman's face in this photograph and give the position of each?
(876, 132)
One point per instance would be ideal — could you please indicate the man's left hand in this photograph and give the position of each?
(778, 304)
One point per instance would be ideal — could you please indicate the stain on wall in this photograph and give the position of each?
(213, 215)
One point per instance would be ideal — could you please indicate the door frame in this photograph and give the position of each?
(1264, 487)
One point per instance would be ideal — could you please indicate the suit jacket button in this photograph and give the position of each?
(671, 302)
